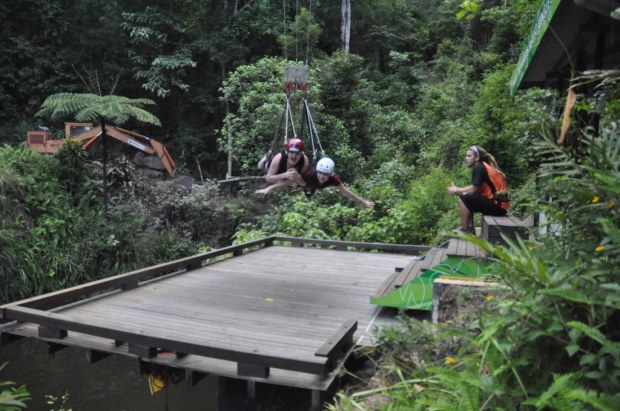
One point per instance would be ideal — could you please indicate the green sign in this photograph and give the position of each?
(545, 13)
(417, 294)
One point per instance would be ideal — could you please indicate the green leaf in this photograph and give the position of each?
(590, 332)
(595, 375)
(571, 349)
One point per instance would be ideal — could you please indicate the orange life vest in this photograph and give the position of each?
(498, 191)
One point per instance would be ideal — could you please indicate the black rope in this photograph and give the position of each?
(304, 122)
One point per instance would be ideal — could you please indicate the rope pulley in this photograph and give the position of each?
(295, 78)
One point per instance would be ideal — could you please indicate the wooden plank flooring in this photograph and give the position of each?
(277, 301)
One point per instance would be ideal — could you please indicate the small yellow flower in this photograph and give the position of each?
(611, 204)
(599, 248)
(450, 361)
(490, 298)
(533, 248)
(596, 199)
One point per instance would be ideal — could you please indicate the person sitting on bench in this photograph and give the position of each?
(487, 192)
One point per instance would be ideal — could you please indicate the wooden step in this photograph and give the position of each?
(510, 226)
(411, 271)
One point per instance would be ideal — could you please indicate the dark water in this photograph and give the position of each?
(112, 384)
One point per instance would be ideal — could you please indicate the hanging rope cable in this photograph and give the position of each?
(296, 78)
(317, 148)
(290, 114)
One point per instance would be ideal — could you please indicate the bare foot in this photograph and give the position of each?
(262, 191)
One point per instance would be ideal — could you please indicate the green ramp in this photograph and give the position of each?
(417, 294)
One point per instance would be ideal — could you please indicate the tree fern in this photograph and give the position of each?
(101, 109)
(91, 107)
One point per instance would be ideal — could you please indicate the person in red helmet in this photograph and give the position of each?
(286, 167)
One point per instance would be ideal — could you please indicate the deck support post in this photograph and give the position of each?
(142, 351)
(251, 389)
(193, 265)
(50, 332)
(53, 348)
(94, 356)
(338, 344)
(8, 338)
(315, 403)
(252, 370)
(130, 284)
(194, 377)
(438, 290)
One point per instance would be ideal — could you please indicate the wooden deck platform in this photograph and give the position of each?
(271, 313)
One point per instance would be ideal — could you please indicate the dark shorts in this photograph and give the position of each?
(477, 203)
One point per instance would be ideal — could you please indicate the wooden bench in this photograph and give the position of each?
(510, 226)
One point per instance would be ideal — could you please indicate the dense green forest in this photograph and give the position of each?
(396, 110)
(395, 107)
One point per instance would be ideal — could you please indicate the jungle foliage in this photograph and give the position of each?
(396, 113)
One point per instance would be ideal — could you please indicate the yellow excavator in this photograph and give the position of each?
(41, 141)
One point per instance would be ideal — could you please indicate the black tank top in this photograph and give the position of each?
(282, 167)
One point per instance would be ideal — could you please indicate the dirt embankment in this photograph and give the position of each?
(196, 210)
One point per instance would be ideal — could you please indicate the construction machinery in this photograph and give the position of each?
(87, 133)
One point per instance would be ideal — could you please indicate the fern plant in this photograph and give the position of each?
(96, 108)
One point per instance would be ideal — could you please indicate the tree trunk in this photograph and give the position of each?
(228, 126)
(104, 142)
(345, 27)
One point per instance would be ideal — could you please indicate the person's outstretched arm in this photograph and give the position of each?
(352, 196)
(277, 186)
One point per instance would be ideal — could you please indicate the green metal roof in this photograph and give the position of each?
(545, 13)
(568, 35)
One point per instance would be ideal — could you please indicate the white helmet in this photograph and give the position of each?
(325, 165)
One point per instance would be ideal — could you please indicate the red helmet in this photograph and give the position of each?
(295, 145)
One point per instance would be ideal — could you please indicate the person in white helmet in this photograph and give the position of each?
(319, 176)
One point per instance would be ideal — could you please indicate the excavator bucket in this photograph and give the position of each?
(87, 134)
(151, 146)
